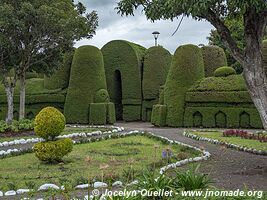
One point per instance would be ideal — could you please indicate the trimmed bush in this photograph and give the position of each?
(159, 113)
(86, 78)
(157, 62)
(60, 78)
(214, 57)
(98, 113)
(53, 151)
(111, 115)
(187, 68)
(123, 64)
(49, 123)
(101, 96)
(264, 54)
(224, 71)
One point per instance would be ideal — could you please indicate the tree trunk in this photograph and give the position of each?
(10, 105)
(22, 97)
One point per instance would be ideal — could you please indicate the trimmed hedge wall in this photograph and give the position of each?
(123, 68)
(60, 79)
(264, 54)
(225, 117)
(98, 114)
(159, 113)
(214, 57)
(187, 68)
(86, 78)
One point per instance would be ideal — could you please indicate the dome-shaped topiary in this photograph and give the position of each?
(49, 123)
(53, 151)
(224, 71)
(214, 57)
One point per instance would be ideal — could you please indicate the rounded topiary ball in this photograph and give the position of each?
(224, 71)
(49, 123)
(53, 151)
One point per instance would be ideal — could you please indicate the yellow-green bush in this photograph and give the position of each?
(53, 151)
(224, 71)
(49, 123)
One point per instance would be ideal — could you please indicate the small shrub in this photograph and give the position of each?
(224, 71)
(53, 151)
(49, 123)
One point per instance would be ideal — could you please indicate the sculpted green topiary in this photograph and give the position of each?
(101, 96)
(49, 123)
(86, 79)
(224, 71)
(157, 62)
(123, 63)
(214, 57)
(53, 151)
(187, 68)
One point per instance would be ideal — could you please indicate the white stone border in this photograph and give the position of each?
(228, 145)
(114, 129)
(205, 156)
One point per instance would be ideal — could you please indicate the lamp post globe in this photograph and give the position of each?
(156, 36)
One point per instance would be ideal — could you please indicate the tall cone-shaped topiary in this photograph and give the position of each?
(214, 57)
(157, 63)
(87, 77)
(187, 67)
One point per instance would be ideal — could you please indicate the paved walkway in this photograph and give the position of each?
(230, 169)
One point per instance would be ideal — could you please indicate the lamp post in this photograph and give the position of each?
(156, 36)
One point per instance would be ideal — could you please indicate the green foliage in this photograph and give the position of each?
(16, 126)
(159, 113)
(60, 78)
(230, 83)
(98, 113)
(53, 151)
(191, 180)
(214, 57)
(49, 123)
(187, 68)
(224, 71)
(111, 115)
(264, 54)
(101, 96)
(86, 78)
(123, 63)
(157, 62)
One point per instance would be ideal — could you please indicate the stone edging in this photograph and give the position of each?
(205, 156)
(228, 145)
(4, 153)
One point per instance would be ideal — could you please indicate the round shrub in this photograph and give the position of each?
(53, 151)
(224, 71)
(49, 123)
(101, 96)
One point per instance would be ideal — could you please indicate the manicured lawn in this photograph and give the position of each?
(84, 162)
(234, 140)
(67, 130)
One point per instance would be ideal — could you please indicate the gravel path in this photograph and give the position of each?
(230, 169)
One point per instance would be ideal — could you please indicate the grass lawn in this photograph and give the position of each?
(234, 140)
(67, 130)
(84, 161)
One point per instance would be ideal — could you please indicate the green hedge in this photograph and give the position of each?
(111, 115)
(98, 114)
(214, 57)
(224, 71)
(187, 68)
(235, 117)
(147, 107)
(230, 83)
(157, 62)
(60, 79)
(123, 64)
(86, 78)
(159, 113)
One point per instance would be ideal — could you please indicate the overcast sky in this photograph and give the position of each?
(139, 30)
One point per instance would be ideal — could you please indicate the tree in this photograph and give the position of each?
(254, 13)
(38, 33)
(235, 25)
